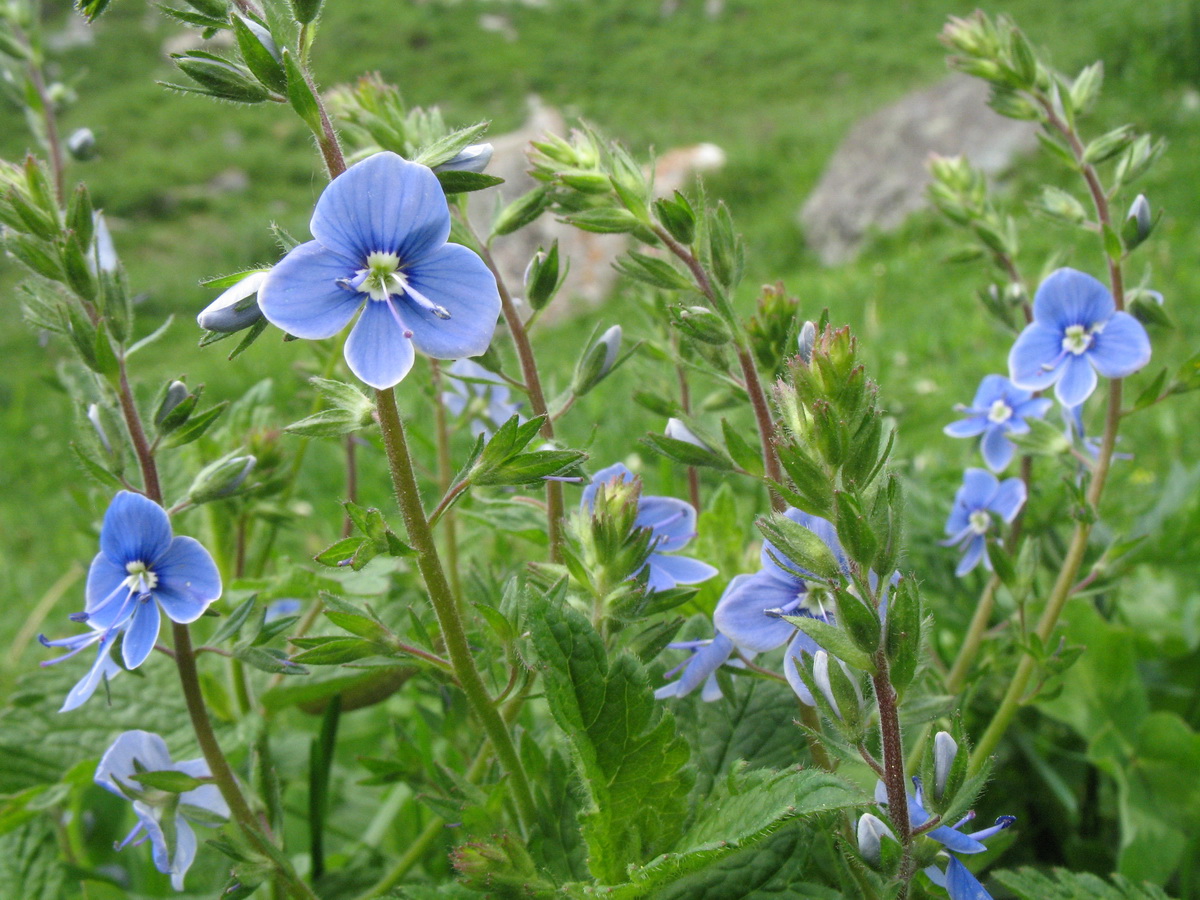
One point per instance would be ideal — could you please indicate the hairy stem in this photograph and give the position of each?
(533, 388)
(445, 472)
(446, 607)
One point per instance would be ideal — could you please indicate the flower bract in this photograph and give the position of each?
(165, 819)
(1076, 333)
(380, 231)
(970, 522)
(999, 409)
(672, 523)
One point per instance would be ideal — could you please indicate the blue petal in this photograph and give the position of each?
(801, 643)
(966, 428)
(185, 852)
(135, 529)
(1008, 499)
(160, 853)
(303, 297)
(1035, 408)
(141, 634)
(740, 612)
(672, 520)
(997, 449)
(377, 351)
(106, 590)
(383, 204)
(962, 885)
(991, 389)
(208, 796)
(1037, 348)
(103, 667)
(975, 552)
(188, 580)
(704, 662)
(1070, 297)
(668, 571)
(116, 765)
(1077, 382)
(978, 487)
(455, 278)
(1121, 348)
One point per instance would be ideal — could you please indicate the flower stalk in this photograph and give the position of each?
(445, 606)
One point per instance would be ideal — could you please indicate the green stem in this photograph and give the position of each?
(970, 646)
(446, 607)
(445, 471)
(758, 399)
(533, 388)
(1065, 582)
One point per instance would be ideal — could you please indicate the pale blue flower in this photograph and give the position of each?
(1076, 332)
(103, 669)
(700, 668)
(999, 409)
(981, 495)
(236, 307)
(141, 567)
(672, 523)
(380, 232)
(959, 883)
(489, 404)
(164, 819)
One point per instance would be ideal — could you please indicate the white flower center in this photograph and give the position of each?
(1076, 339)
(980, 521)
(382, 276)
(141, 578)
(1000, 412)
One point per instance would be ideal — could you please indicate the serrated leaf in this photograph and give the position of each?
(750, 806)
(631, 761)
(1033, 884)
(30, 867)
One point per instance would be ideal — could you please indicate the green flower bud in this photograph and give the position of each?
(220, 479)
(81, 144)
(594, 365)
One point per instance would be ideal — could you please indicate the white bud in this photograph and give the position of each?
(807, 340)
(871, 832)
(676, 430)
(945, 749)
(820, 672)
(474, 158)
(236, 308)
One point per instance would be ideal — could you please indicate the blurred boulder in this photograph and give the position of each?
(877, 176)
(591, 256)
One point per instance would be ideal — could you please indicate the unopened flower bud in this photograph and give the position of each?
(806, 340)
(176, 393)
(221, 478)
(676, 430)
(597, 362)
(820, 672)
(82, 144)
(236, 308)
(871, 832)
(542, 278)
(103, 257)
(1139, 222)
(945, 749)
(474, 158)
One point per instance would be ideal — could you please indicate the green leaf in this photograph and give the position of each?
(29, 863)
(685, 453)
(170, 780)
(632, 764)
(234, 621)
(833, 640)
(195, 427)
(268, 660)
(1033, 884)
(800, 547)
(446, 148)
(454, 182)
(300, 94)
(604, 221)
(335, 650)
(750, 806)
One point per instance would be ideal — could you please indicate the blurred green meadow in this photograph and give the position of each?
(776, 84)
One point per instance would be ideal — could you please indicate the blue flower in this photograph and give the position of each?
(104, 668)
(749, 613)
(1076, 332)
(380, 232)
(672, 523)
(959, 883)
(236, 308)
(164, 819)
(970, 519)
(141, 567)
(699, 668)
(1000, 409)
(488, 404)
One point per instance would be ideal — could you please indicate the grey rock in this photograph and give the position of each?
(877, 176)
